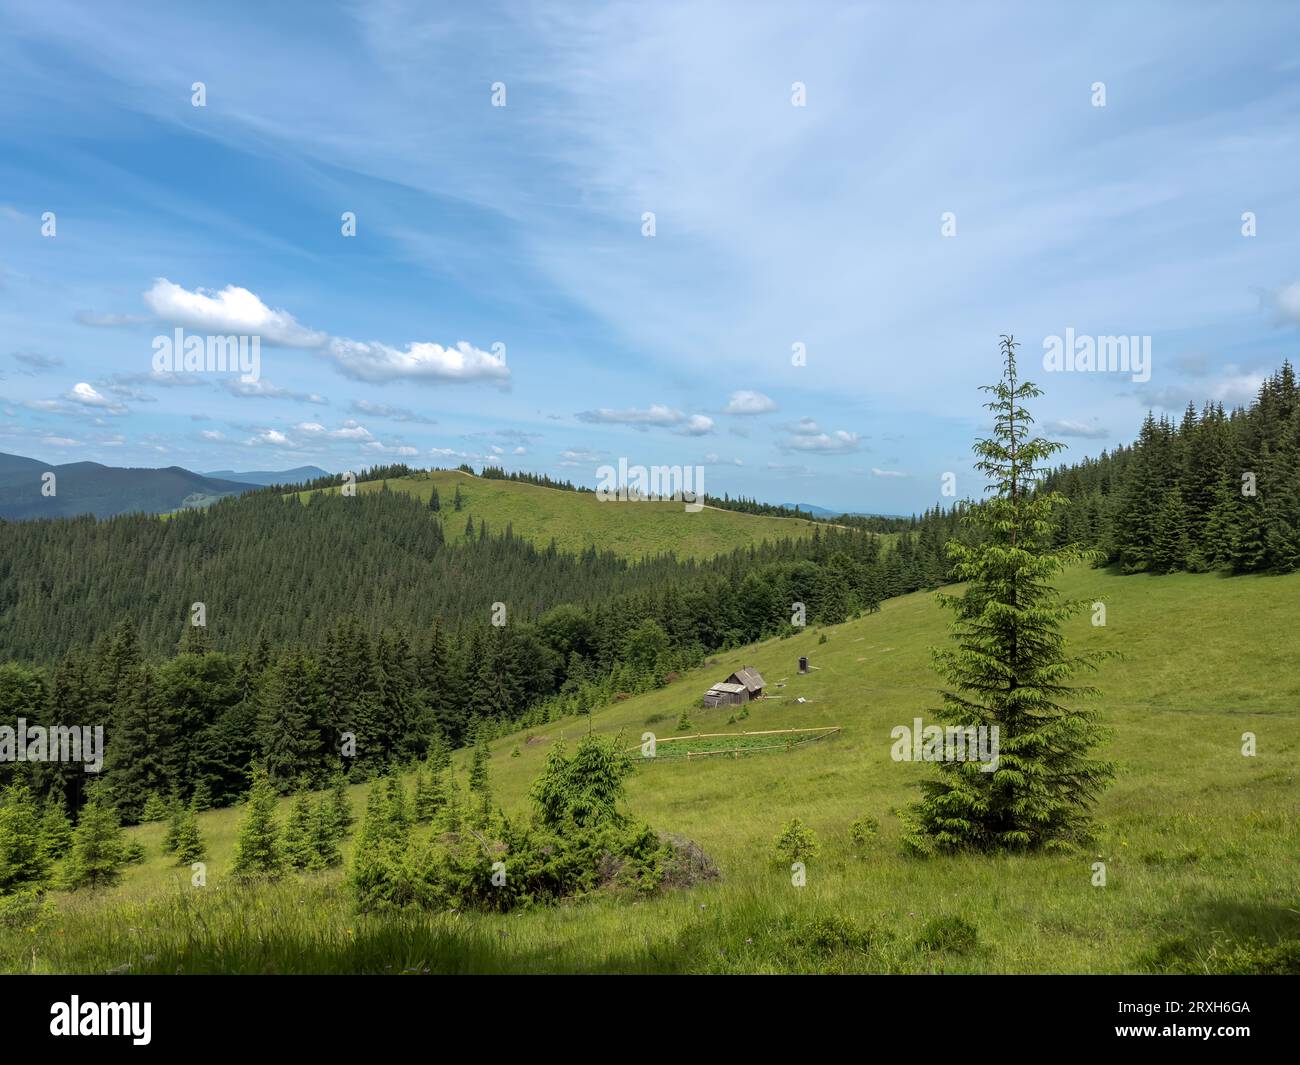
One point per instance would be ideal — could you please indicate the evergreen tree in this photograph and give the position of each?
(202, 797)
(175, 818)
(194, 640)
(434, 504)
(451, 815)
(424, 805)
(56, 829)
(395, 795)
(99, 848)
(135, 766)
(457, 502)
(341, 806)
(289, 742)
(190, 847)
(258, 851)
(478, 765)
(1169, 544)
(299, 832)
(155, 808)
(24, 857)
(1010, 667)
(324, 837)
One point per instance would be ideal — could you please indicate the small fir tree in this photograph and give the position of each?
(99, 848)
(258, 852)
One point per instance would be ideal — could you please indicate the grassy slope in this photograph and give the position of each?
(1200, 842)
(578, 520)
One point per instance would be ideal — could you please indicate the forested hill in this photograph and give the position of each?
(1216, 491)
(268, 567)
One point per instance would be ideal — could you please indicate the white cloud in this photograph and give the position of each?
(232, 310)
(886, 473)
(396, 449)
(840, 442)
(785, 470)
(575, 457)
(383, 410)
(748, 402)
(1234, 388)
(380, 363)
(273, 437)
(1070, 427)
(264, 389)
(697, 425)
(212, 434)
(1285, 302)
(60, 441)
(655, 414)
(85, 395)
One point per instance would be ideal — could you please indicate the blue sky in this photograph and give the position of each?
(500, 302)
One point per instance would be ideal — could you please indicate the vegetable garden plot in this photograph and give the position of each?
(731, 744)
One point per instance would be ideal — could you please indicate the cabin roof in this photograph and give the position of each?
(749, 677)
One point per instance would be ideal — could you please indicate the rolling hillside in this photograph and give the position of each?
(1200, 843)
(578, 520)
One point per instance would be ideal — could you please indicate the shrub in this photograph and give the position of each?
(948, 932)
(864, 831)
(27, 908)
(795, 843)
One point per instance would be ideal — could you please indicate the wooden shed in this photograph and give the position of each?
(740, 687)
(751, 679)
(725, 694)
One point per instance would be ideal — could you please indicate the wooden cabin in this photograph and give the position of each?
(743, 685)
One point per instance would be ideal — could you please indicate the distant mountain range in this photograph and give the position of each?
(92, 488)
(268, 477)
(826, 512)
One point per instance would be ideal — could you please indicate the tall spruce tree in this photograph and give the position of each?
(1010, 668)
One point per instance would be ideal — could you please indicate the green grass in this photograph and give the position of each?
(1200, 843)
(578, 520)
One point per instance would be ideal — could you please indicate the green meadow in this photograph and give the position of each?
(1200, 843)
(578, 520)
